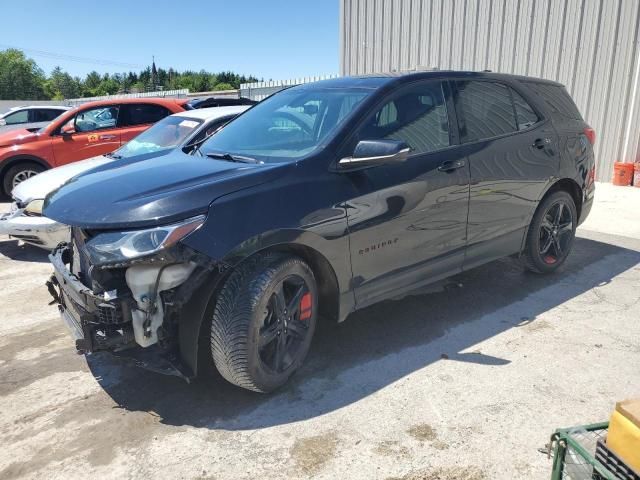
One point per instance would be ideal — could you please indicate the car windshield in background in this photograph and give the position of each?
(288, 125)
(169, 132)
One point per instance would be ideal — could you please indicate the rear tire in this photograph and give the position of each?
(551, 233)
(263, 321)
(19, 173)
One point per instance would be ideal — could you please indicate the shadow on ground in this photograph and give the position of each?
(22, 253)
(375, 346)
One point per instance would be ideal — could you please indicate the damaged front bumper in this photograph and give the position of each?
(140, 319)
(95, 322)
(34, 230)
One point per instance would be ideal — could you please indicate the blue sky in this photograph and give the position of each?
(274, 39)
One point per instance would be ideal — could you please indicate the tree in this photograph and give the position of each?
(62, 85)
(223, 86)
(20, 77)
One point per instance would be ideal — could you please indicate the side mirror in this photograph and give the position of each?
(68, 129)
(3, 122)
(369, 153)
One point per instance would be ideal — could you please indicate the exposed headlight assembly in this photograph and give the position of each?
(34, 207)
(113, 247)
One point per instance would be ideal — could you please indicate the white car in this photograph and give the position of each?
(184, 130)
(31, 117)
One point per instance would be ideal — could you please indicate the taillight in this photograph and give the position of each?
(591, 177)
(590, 133)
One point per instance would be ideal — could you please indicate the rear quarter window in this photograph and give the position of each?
(485, 110)
(141, 114)
(556, 100)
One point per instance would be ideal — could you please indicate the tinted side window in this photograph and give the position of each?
(556, 99)
(524, 113)
(44, 114)
(417, 115)
(484, 110)
(141, 114)
(96, 119)
(18, 117)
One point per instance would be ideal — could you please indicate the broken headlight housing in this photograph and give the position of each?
(34, 208)
(113, 247)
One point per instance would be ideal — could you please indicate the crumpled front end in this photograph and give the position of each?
(128, 306)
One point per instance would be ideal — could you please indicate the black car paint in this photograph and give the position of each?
(372, 232)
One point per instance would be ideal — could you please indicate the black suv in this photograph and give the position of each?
(318, 201)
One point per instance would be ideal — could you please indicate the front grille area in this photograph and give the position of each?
(31, 214)
(110, 314)
(28, 238)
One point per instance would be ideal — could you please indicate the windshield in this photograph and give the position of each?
(286, 126)
(170, 132)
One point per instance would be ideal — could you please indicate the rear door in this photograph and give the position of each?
(95, 133)
(407, 223)
(137, 117)
(512, 153)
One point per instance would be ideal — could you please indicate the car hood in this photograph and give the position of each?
(135, 192)
(17, 137)
(41, 185)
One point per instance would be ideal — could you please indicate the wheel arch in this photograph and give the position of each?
(195, 319)
(570, 186)
(323, 272)
(566, 184)
(12, 161)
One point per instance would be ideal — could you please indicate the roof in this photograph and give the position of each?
(54, 107)
(212, 113)
(154, 100)
(376, 80)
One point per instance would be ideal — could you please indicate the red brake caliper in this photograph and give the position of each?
(305, 306)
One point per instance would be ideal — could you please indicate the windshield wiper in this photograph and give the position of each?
(115, 156)
(234, 158)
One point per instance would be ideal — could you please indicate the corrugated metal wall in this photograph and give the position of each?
(591, 46)
(261, 90)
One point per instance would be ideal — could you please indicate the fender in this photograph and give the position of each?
(552, 184)
(307, 245)
(268, 216)
(243, 223)
(9, 162)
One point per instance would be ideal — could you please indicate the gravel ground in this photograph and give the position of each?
(458, 383)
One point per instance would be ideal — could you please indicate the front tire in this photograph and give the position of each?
(263, 321)
(19, 173)
(551, 233)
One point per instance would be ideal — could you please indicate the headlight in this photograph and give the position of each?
(122, 246)
(34, 207)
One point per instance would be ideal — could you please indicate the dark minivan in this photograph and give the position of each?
(320, 200)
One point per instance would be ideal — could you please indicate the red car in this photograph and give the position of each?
(93, 128)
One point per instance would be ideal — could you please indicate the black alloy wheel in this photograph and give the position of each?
(263, 321)
(286, 324)
(551, 233)
(556, 230)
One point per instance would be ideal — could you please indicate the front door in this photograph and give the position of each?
(512, 155)
(95, 132)
(407, 223)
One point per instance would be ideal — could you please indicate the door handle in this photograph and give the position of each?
(540, 143)
(451, 165)
(107, 137)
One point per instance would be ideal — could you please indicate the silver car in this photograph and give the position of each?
(184, 130)
(30, 117)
